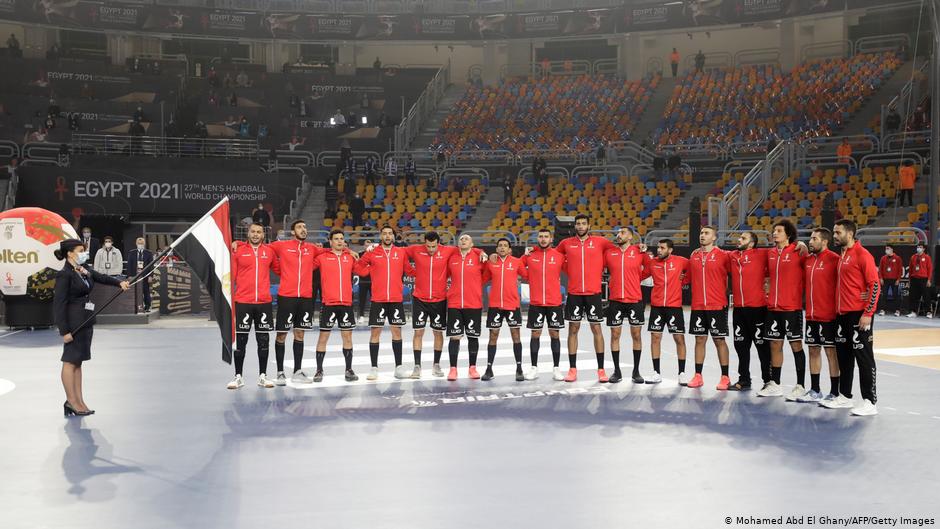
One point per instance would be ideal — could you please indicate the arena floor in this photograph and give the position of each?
(171, 447)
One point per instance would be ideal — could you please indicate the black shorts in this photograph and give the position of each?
(749, 324)
(342, 316)
(425, 312)
(633, 312)
(393, 313)
(258, 313)
(821, 333)
(536, 317)
(464, 321)
(709, 322)
(296, 313)
(785, 325)
(496, 317)
(671, 318)
(576, 307)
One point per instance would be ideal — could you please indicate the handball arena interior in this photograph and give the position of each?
(139, 139)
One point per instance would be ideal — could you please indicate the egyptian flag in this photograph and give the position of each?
(206, 247)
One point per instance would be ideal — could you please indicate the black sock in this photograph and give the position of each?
(775, 374)
(374, 354)
(698, 368)
(573, 361)
(656, 365)
(320, 356)
(682, 365)
(396, 351)
(453, 347)
(615, 356)
(417, 357)
(347, 356)
(814, 380)
(799, 358)
(298, 355)
(636, 361)
(556, 351)
(262, 339)
(834, 381)
(473, 346)
(724, 370)
(600, 360)
(437, 356)
(517, 354)
(534, 344)
(279, 355)
(490, 355)
(239, 361)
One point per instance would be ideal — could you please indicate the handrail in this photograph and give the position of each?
(559, 156)
(626, 147)
(900, 140)
(713, 59)
(295, 158)
(882, 235)
(9, 149)
(550, 171)
(846, 48)
(331, 158)
(757, 57)
(905, 96)
(890, 157)
(410, 125)
(605, 67)
(861, 143)
(619, 171)
(697, 152)
(879, 43)
(483, 157)
(111, 144)
(464, 172)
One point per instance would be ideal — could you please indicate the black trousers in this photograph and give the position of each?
(889, 296)
(748, 330)
(909, 193)
(917, 291)
(854, 345)
(675, 69)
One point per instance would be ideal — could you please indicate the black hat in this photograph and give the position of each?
(66, 246)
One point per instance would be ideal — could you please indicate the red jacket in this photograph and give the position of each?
(336, 275)
(627, 268)
(430, 272)
(708, 275)
(295, 259)
(891, 267)
(386, 268)
(504, 277)
(857, 276)
(585, 263)
(251, 269)
(785, 268)
(820, 273)
(921, 266)
(748, 272)
(544, 270)
(467, 275)
(668, 277)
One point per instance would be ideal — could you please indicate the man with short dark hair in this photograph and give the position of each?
(748, 275)
(108, 260)
(544, 265)
(628, 265)
(504, 272)
(336, 267)
(669, 273)
(820, 276)
(428, 303)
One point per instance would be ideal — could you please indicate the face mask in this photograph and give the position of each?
(889, 252)
(86, 234)
(920, 250)
(140, 247)
(82, 258)
(107, 245)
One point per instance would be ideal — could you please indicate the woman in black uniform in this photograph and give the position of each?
(72, 305)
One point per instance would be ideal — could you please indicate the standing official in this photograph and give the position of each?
(920, 272)
(108, 260)
(890, 270)
(137, 260)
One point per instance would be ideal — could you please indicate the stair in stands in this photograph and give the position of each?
(654, 110)
(452, 95)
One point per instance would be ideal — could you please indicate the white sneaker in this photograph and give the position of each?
(839, 402)
(437, 371)
(373, 374)
(797, 392)
(264, 382)
(828, 398)
(684, 379)
(281, 379)
(655, 378)
(401, 373)
(865, 409)
(881, 313)
(361, 320)
(557, 374)
(810, 396)
(930, 315)
(300, 378)
(911, 315)
(897, 313)
(771, 390)
(416, 373)
(236, 382)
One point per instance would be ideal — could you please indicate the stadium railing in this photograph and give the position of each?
(628, 148)
(553, 171)
(714, 59)
(587, 171)
(889, 158)
(825, 50)
(701, 152)
(361, 236)
(891, 234)
(551, 156)
(464, 172)
(9, 149)
(757, 184)
(107, 144)
(918, 139)
(483, 157)
(490, 237)
(861, 144)
(40, 153)
(907, 97)
(331, 158)
(757, 57)
(881, 43)
(423, 107)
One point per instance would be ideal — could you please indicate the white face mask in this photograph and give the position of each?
(140, 247)
(889, 251)
(107, 245)
(86, 234)
(82, 258)
(920, 250)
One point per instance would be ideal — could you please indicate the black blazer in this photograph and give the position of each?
(71, 295)
(130, 269)
(93, 246)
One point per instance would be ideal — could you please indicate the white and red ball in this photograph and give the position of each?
(28, 238)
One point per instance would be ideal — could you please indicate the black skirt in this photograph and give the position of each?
(79, 349)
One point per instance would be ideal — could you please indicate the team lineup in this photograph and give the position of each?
(772, 290)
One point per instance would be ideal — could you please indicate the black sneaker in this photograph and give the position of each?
(351, 376)
(615, 378)
(638, 379)
(318, 376)
(519, 376)
(740, 385)
(488, 374)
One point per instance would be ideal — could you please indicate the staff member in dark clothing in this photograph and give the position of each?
(137, 260)
(72, 305)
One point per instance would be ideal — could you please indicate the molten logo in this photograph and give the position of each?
(12, 257)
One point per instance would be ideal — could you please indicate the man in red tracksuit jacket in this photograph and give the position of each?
(386, 264)
(428, 303)
(709, 267)
(295, 294)
(465, 302)
(785, 308)
(820, 276)
(544, 265)
(748, 275)
(890, 270)
(504, 272)
(628, 265)
(252, 264)
(584, 264)
(920, 272)
(857, 290)
(669, 273)
(336, 267)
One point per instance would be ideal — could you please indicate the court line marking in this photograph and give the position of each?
(11, 333)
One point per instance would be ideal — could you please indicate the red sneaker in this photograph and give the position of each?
(572, 375)
(697, 381)
(602, 376)
(473, 373)
(723, 384)
(452, 374)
